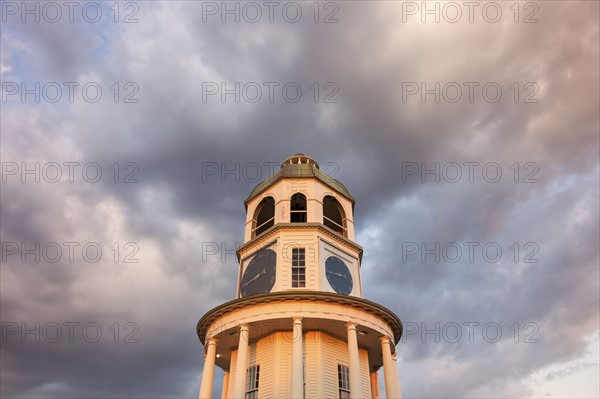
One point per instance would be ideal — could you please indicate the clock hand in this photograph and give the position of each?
(251, 280)
(255, 277)
(338, 274)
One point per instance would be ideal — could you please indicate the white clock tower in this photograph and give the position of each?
(299, 326)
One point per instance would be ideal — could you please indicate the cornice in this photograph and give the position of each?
(268, 235)
(384, 313)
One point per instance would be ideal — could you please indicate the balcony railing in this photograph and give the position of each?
(338, 228)
(258, 230)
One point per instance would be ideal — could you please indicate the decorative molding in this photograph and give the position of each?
(299, 226)
(360, 303)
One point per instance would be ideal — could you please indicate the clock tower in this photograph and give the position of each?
(299, 326)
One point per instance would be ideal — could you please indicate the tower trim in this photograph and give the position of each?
(290, 226)
(360, 303)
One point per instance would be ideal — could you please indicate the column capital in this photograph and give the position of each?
(385, 340)
(212, 341)
(243, 327)
(350, 325)
(297, 319)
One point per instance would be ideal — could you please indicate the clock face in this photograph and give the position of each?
(259, 276)
(338, 275)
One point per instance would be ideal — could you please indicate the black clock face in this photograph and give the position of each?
(338, 275)
(259, 276)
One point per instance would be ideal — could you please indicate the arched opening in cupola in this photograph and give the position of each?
(333, 215)
(298, 208)
(264, 216)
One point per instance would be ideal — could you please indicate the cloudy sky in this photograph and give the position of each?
(132, 132)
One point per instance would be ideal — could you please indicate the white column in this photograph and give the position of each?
(241, 366)
(297, 391)
(355, 381)
(225, 389)
(374, 385)
(391, 386)
(209, 369)
(396, 374)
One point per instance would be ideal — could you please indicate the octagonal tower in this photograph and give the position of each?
(299, 326)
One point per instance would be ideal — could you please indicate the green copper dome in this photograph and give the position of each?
(300, 167)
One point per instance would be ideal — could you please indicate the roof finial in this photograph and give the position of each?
(300, 159)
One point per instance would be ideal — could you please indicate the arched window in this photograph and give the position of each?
(333, 215)
(264, 217)
(298, 208)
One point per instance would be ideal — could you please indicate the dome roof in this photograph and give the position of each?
(300, 166)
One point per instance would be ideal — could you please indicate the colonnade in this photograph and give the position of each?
(390, 374)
